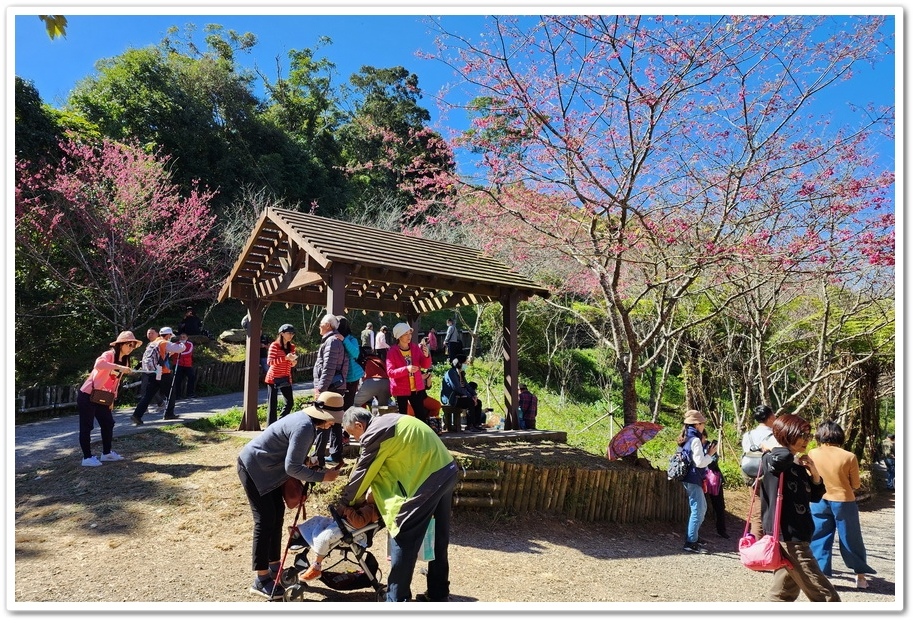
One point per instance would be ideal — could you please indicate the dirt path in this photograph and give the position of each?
(170, 529)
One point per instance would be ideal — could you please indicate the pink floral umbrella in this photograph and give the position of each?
(629, 438)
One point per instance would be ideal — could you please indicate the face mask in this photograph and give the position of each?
(464, 367)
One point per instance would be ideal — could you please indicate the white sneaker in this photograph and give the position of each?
(112, 456)
(92, 462)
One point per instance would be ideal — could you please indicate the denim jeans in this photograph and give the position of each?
(697, 501)
(889, 464)
(841, 518)
(405, 547)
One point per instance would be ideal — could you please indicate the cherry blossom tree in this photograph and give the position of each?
(110, 228)
(651, 150)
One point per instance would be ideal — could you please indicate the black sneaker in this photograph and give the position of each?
(267, 589)
(138, 421)
(170, 417)
(696, 548)
(426, 597)
(701, 542)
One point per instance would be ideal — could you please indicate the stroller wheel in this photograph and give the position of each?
(289, 577)
(296, 592)
(382, 594)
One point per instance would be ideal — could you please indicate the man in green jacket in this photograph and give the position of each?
(412, 476)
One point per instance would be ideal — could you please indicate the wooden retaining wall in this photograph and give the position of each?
(620, 495)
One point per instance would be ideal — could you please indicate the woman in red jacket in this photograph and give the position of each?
(281, 357)
(405, 363)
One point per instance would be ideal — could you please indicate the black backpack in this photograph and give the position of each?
(364, 352)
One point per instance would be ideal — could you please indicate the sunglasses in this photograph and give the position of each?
(806, 436)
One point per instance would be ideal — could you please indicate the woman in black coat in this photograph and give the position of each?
(802, 485)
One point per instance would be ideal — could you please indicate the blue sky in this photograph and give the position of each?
(368, 38)
(376, 40)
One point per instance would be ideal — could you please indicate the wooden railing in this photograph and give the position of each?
(53, 400)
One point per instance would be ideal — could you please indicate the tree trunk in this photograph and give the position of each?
(628, 390)
(862, 436)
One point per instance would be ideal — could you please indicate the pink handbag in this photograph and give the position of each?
(713, 482)
(763, 554)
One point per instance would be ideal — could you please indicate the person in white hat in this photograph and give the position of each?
(157, 362)
(405, 365)
(105, 377)
(170, 355)
(265, 464)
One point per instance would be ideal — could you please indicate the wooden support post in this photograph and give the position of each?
(510, 358)
(256, 309)
(337, 288)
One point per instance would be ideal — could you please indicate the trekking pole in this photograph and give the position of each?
(173, 371)
(306, 491)
(289, 541)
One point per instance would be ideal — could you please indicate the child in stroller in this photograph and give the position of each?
(348, 529)
(322, 533)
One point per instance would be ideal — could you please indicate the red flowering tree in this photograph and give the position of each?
(652, 151)
(109, 228)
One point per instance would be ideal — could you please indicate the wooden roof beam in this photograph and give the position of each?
(311, 297)
(243, 257)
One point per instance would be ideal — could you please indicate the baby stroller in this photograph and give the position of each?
(338, 575)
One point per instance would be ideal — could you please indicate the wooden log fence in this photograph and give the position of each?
(478, 488)
(624, 496)
(56, 399)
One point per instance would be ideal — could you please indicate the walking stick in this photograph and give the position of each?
(173, 372)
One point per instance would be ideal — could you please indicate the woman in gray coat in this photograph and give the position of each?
(265, 464)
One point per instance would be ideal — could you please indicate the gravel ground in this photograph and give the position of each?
(170, 529)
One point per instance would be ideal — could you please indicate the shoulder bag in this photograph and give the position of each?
(764, 554)
(101, 396)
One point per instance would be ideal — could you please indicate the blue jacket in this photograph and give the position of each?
(351, 347)
(699, 460)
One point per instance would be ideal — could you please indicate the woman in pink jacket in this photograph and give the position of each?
(105, 375)
(405, 364)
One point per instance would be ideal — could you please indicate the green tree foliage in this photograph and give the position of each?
(37, 133)
(387, 146)
(199, 111)
(304, 107)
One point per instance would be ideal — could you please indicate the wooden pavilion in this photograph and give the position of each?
(303, 259)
